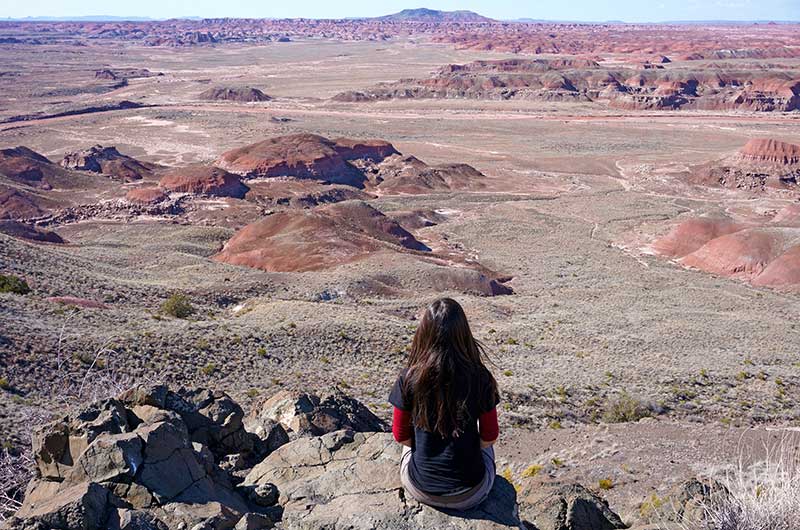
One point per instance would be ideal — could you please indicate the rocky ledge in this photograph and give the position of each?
(153, 458)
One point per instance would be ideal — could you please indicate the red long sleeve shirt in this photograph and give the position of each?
(403, 429)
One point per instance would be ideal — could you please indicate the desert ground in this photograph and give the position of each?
(615, 362)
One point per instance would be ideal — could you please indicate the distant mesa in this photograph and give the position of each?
(237, 94)
(583, 79)
(203, 180)
(324, 237)
(108, 161)
(435, 16)
(146, 196)
(771, 151)
(761, 164)
(22, 230)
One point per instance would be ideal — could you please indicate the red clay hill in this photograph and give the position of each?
(765, 254)
(307, 240)
(364, 164)
(203, 180)
(761, 164)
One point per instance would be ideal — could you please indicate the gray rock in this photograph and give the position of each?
(565, 507)
(114, 457)
(82, 507)
(254, 521)
(311, 415)
(351, 480)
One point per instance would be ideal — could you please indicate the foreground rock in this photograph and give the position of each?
(108, 161)
(152, 458)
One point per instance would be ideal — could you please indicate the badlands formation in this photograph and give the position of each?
(216, 236)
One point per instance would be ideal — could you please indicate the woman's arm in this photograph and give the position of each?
(402, 429)
(488, 428)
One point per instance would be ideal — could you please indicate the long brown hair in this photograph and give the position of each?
(446, 370)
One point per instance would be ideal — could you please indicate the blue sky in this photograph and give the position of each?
(588, 10)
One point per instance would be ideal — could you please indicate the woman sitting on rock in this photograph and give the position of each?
(445, 413)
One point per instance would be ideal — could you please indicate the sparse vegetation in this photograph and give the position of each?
(177, 306)
(13, 284)
(605, 484)
(532, 470)
(4, 384)
(625, 408)
(208, 369)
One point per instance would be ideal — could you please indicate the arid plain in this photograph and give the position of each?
(616, 360)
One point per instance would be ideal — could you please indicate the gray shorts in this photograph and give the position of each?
(460, 501)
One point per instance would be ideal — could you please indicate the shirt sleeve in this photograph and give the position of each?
(401, 425)
(488, 427)
(397, 397)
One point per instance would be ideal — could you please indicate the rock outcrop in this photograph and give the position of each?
(152, 458)
(203, 180)
(762, 164)
(108, 161)
(237, 94)
(307, 240)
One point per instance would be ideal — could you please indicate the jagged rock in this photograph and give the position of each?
(109, 161)
(684, 504)
(263, 494)
(349, 480)
(254, 521)
(308, 414)
(139, 520)
(271, 433)
(108, 458)
(82, 507)
(565, 507)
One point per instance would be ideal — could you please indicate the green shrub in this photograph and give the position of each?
(13, 284)
(208, 369)
(605, 484)
(177, 306)
(4, 384)
(625, 409)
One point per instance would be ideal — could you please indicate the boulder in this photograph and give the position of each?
(312, 415)
(84, 506)
(348, 480)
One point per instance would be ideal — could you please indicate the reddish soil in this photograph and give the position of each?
(146, 196)
(783, 272)
(771, 151)
(745, 253)
(18, 205)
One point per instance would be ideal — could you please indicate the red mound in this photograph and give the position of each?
(109, 161)
(17, 205)
(771, 151)
(410, 175)
(416, 219)
(26, 166)
(316, 239)
(305, 156)
(77, 302)
(29, 232)
(203, 180)
(146, 196)
(744, 253)
(783, 272)
(690, 235)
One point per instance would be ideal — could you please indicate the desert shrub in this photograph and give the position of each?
(16, 470)
(605, 484)
(761, 496)
(13, 284)
(625, 408)
(532, 470)
(208, 369)
(4, 384)
(177, 306)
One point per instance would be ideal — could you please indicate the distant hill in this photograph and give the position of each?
(433, 15)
